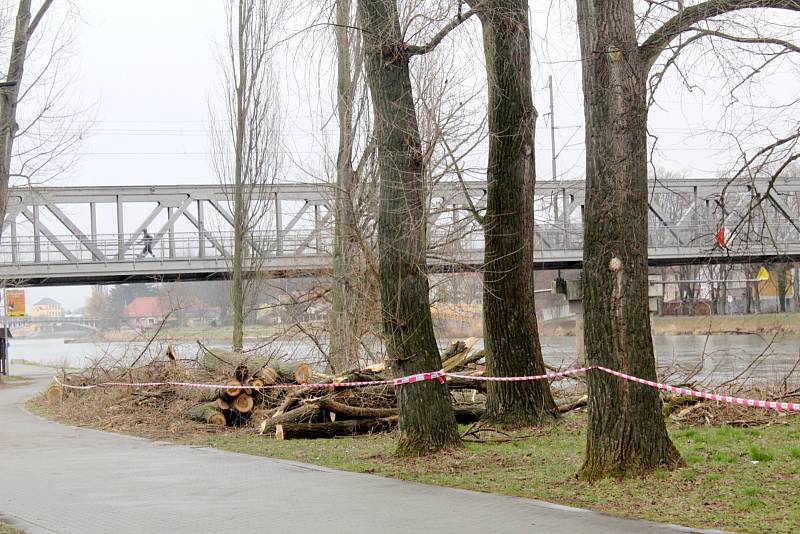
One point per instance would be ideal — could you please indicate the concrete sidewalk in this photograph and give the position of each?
(56, 478)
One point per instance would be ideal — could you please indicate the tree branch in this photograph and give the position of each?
(38, 17)
(747, 40)
(414, 50)
(688, 17)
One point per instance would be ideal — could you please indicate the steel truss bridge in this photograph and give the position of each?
(93, 235)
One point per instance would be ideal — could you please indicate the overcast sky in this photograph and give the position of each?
(148, 69)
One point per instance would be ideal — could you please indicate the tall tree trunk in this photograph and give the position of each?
(427, 422)
(9, 97)
(748, 298)
(782, 288)
(796, 288)
(239, 202)
(343, 348)
(626, 432)
(512, 339)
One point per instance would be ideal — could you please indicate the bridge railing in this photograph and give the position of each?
(550, 237)
(179, 245)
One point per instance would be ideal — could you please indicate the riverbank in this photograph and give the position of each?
(765, 323)
(210, 334)
(740, 479)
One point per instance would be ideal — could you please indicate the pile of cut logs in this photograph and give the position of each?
(326, 411)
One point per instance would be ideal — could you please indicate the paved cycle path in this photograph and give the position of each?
(56, 478)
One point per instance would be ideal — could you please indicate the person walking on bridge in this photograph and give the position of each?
(147, 239)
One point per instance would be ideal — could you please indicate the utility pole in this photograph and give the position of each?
(553, 155)
(552, 126)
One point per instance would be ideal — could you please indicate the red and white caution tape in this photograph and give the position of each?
(420, 377)
(545, 376)
(755, 403)
(439, 376)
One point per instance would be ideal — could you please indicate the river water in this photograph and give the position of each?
(712, 359)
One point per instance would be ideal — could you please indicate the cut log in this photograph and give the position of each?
(206, 413)
(569, 406)
(376, 367)
(233, 388)
(463, 383)
(462, 357)
(456, 347)
(350, 412)
(243, 403)
(464, 414)
(269, 375)
(256, 384)
(334, 428)
(283, 371)
(468, 414)
(54, 394)
(223, 404)
(303, 373)
(676, 403)
(302, 413)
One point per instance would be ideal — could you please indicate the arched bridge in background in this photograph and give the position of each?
(93, 235)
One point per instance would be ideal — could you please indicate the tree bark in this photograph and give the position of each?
(510, 328)
(344, 346)
(782, 288)
(626, 433)
(206, 413)
(334, 428)
(426, 421)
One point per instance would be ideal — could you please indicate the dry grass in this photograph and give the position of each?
(5, 528)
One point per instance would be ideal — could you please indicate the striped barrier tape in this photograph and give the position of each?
(411, 379)
(755, 403)
(440, 375)
(545, 376)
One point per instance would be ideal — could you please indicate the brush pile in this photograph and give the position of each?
(309, 405)
(323, 410)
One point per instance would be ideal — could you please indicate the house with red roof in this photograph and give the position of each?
(145, 311)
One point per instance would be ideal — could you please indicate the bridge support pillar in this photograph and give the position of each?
(573, 291)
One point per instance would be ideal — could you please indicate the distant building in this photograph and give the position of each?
(145, 311)
(48, 308)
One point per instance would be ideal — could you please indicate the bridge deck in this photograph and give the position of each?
(60, 236)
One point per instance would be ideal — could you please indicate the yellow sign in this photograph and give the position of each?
(763, 275)
(15, 302)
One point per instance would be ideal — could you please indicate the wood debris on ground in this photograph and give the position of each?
(305, 411)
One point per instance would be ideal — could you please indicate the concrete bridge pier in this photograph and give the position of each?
(573, 292)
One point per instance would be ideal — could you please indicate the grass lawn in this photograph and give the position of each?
(742, 479)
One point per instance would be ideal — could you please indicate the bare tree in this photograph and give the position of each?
(344, 340)
(426, 417)
(27, 147)
(510, 327)
(248, 155)
(626, 432)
